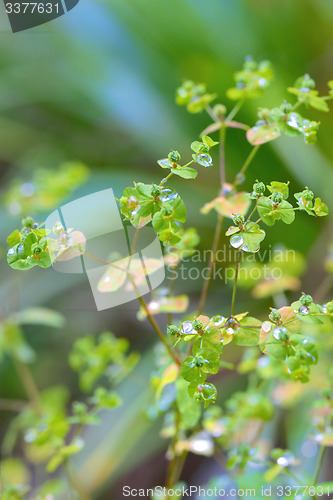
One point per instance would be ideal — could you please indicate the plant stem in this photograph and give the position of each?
(12, 404)
(235, 285)
(29, 384)
(157, 329)
(222, 154)
(152, 321)
(207, 282)
(321, 456)
(246, 164)
(211, 113)
(163, 181)
(234, 110)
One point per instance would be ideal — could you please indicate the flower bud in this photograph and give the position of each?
(220, 110)
(27, 222)
(306, 300)
(275, 315)
(199, 361)
(277, 197)
(172, 330)
(307, 195)
(174, 156)
(166, 211)
(258, 189)
(197, 325)
(155, 191)
(238, 219)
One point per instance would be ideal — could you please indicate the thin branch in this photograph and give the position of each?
(235, 285)
(207, 282)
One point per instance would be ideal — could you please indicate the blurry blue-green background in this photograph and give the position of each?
(98, 86)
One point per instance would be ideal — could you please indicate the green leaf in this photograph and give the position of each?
(40, 316)
(169, 236)
(208, 141)
(190, 372)
(210, 339)
(270, 212)
(211, 362)
(229, 205)
(320, 208)
(279, 187)
(179, 210)
(248, 333)
(189, 408)
(203, 392)
(14, 238)
(185, 173)
(262, 133)
(286, 212)
(276, 348)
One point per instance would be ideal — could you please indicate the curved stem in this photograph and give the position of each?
(234, 110)
(207, 282)
(246, 164)
(222, 154)
(152, 321)
(163, 181)
(235, 285)
(29, 384)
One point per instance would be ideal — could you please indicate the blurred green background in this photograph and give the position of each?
(98, 86)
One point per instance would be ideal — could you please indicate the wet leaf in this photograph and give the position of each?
(262, 133)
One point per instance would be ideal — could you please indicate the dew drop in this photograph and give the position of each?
(11, 251)
(304, 310)
(230, 331)
(267, 326)
(168, 194)
(204, 159)
(20, 250)
(187, 328)
(236, 241)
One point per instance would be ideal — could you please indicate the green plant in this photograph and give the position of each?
(279, 350)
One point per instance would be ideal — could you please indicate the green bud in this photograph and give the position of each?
(275, 315)
(306, 300)
(203, 148)
(199, 361)
(220, 110)
(197, 325)
(27, 222)
(166, 211)
(155, 191)
(172, 330)
(286, 108)
(238, 219)
(36, 249)
(307, 195)
(277, 197)
(264, 114)
(258, 188)
(174, 156)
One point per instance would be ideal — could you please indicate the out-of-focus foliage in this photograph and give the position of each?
(99, 89)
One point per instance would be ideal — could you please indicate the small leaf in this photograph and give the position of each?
(185, 173)
(14, 238)
(260, 134)
(320, 208)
